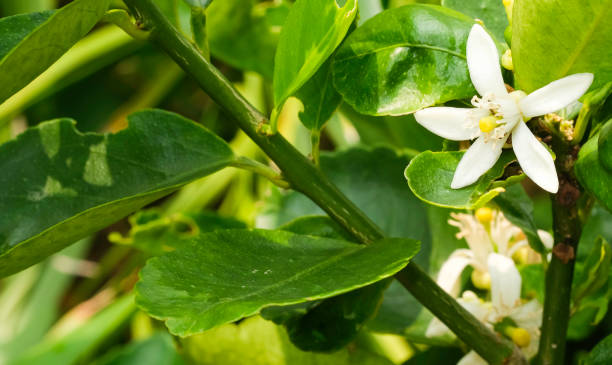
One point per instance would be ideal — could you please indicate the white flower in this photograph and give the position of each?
(499, 114)
(481, 244)
(505, 303)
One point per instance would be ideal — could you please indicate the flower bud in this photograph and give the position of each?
(506, 60)
(484, 214)
(481, 279)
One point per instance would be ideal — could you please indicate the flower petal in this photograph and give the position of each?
(556, 95)
(472, 358)
(450, 272)
(546, 238)
(483, 63)
(478, 159)
(505, 284)
(436, 328)
(447, 122)
(534, 158)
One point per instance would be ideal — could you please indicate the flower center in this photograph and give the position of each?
(488, 123)
(519, 336)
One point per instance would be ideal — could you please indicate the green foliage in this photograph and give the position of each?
(490, 12)
(255, 341)
(43, 41)
(155, 233)
(313, 29)
(592, 175)
(227, 275)
(604, 146)
(552, 40)
(601, 354)
(430, 174)
(79, 183)
(403, 60)
(157, 350)
(518, 209)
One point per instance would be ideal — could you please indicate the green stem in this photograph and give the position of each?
(567, 228)
(257, 167)
(309, 180)
(123, 20)
(315, 139)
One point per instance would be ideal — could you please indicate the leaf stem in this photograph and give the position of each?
(257, 167)
(567, 227)
(309, 180)
(315, 139)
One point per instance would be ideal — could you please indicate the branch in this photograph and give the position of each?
(309, 180)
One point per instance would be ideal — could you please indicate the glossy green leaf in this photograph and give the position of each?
(491, 12)
(245, 35)
(312, 31)
(405, 59)
(517, 207)
(592, 175)
(158, 349)
(430, 174)
(605, 146)
(227, 275)
(576, 32)
(601, 354)
(255, 341)
(319, 98)
(155, 233)
(44, 44)
(317, 226)
(14, 29)
(79, 183)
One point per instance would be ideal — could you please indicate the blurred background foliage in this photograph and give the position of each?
(76, 307)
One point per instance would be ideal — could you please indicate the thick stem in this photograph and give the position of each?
(306, 178)
(567, 227)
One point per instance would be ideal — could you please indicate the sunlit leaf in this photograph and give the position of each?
(553, 39)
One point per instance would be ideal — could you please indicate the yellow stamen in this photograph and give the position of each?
(519, 336)
(484, 215)
(487, 124)
(481, 279)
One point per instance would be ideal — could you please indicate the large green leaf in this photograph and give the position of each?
(405, 59)
(605, 145)
(45, 43)
(313, 29)
(576, 32)
(430, 174)
(227, 275)
(59, 185)
(592, 175)
(490, 12)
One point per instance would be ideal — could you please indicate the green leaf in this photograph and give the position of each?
(156, 233)
(595, 272)
(245, 35)
(491, 12)
(227, 275)
(255, 341)
(403, 60)
(43, 45)
(605, 145)
(430, 174)
(317, 226)
(60, 185)
(312, 31)
(76, 346)
(518, 209)
(575, 32)
(319, 98)
(601, 354)
(198, 3)
(436, 355)
(158, 349)
(592, 175)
